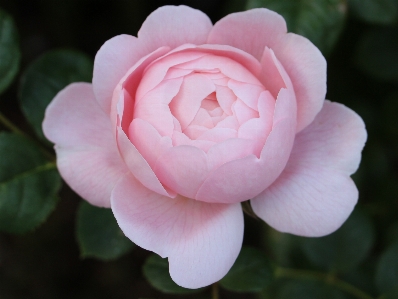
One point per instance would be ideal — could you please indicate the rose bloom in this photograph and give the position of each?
(186, 121)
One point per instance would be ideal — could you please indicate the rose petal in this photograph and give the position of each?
(174, 26)
(228, 150)
(271, 74)
(242, 112)
(129, 83)
(111, 63)
(225, 65)
(202, 241)
(186, 103)
(159, 69)
(306, 67)
(138, 166)
(248, 93)
(154, 106)
(245, 178)
(183, 169)
(225, 98)
(148, 141)
(314, 195)
(218, 134)
(87, 156)
(250, 31)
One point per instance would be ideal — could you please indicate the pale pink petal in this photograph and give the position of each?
(129, 83)
(173, 73)
(138, 166)
(229, 122)
(250, 31)
(245, 178)
(235, 54)
(180, 139)
(148, 141)
(204, 145)
(174, 26)
(209, 104)
(229, 67)
(248, 93)
(266, 106)
(154, 106)
(202, 118)
(87, 156)
(242, 112)
(159, 69)
(201, 240)
(217, 112)
(112, 62)
(187, 102)
(194, 131)
(225, 98)
(306, 68)
(257, 130)
(182, 169)
(228, 150)
(271, 74)
(218, 134)
(315, 194)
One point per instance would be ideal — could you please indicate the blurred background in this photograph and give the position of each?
(361, 47)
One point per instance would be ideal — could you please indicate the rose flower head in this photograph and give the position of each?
(186, 121)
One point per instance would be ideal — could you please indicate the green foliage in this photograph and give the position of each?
(10, 55)
(320, 21)
(45, 77)
(375, 11)
(377, 53)
(289, 289)
(156, 271)
(28, 184)
(98, 234)
(387, 270)
(346, 248)
(252, 272)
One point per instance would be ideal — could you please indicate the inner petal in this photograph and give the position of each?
(186, 103)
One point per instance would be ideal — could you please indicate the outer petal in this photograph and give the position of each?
(315, 194)
(87, 155)
(139, 166)
(306, 68)
(201, 240)
(250, 31)
(111, 63)
(174, 26)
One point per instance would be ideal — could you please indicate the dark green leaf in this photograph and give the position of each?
(375, 11)
(99, 235)
(45, 77)
(28, 184)
(252, 272)
(156, 271)
(387, 269)
(345, 249)
(320, 21)
(9, 50)
(377, 53)
(289, 289)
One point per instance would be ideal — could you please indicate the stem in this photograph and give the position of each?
(214, 291)
(8, 124)
(326, 278)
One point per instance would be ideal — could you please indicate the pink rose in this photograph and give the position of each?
(188, 120)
